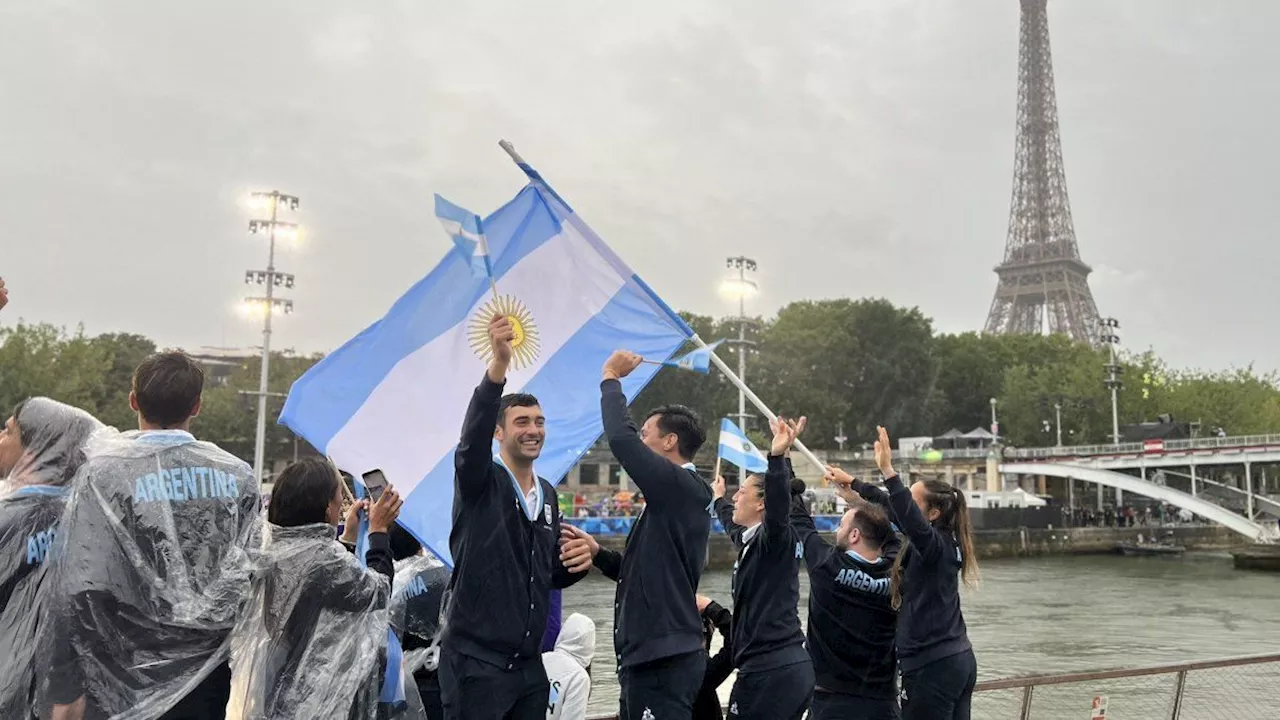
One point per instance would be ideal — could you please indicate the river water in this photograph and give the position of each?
(1053, 614)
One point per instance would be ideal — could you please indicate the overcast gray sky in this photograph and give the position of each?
(859, 148)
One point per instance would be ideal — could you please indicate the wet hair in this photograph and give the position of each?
(403, 544)
(873, 523)
(953, 517)
(685, 424)
(303, 492)
(514, 400)
(167, 387)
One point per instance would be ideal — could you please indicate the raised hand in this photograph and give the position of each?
(385, 511)
(884, 453)
(784, 434)
(4, 295)
(501, 335)
(351, 523)
(837, 477)
(717, 487)
(620, 364)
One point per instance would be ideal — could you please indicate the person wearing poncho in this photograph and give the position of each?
(313, 637)
(41, 447)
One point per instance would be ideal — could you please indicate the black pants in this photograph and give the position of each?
(941, 690)
(778, 694)
(839, 706)
(428, 683)
(661, 689)
(209, 699)
(472, 689)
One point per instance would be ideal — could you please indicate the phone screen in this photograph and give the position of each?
(375, 482)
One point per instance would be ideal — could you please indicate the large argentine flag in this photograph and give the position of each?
(394, 396)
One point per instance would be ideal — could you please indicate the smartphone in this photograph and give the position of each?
(374, 483)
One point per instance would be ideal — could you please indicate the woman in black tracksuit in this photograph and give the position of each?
(775, 674)
(938, 667)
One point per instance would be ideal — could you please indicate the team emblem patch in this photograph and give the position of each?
(546, 512)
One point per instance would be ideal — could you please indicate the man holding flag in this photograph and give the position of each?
(657, 629)
(504, 543)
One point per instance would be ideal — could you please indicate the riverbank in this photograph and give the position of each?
(1023, 542)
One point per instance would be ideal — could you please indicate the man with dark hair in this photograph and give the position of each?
(505, 544)
(154, 567)
(660, 671)
(851, 617)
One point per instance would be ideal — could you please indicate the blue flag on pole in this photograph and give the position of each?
(394, 396)
(467, 230)
(698, 360)
(737, 449)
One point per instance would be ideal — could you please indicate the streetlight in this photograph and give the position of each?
(741, 286)
(840, 437)
(1057, 412)
(268, 304)
(1112, 382)
(995, 424)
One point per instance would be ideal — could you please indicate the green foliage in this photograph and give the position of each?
(856, 363)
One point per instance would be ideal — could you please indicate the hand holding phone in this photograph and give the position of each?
(374, 483)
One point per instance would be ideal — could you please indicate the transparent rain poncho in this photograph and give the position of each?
(313, 639)
(416, 601)
(151, 569)
(48, 447)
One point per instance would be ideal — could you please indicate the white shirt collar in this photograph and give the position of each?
(532, 499)
(750, 533)
(854, 554)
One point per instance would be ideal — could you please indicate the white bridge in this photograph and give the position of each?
(1104, 465)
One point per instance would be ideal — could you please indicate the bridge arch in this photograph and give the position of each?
(1128, 483)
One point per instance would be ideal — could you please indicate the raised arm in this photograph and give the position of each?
(474, 457)
(816, 550)
(661, 480)
(906, 514)
(777, 479)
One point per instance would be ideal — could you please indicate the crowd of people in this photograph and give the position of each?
(140, 577)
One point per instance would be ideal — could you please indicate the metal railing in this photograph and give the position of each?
(1137, 448)
(1239, 688)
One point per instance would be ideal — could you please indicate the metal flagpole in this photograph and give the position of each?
(733, 377)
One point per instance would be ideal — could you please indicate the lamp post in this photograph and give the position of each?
(1110, 326)
(1112, 382)
(995, 424)
(741, 286)
(268, 304)
(1057, 412)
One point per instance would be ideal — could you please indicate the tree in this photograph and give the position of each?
(856, 362)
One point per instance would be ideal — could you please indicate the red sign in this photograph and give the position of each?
(1153, 446)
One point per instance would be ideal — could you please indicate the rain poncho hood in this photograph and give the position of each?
(52, 438)
(312, 640)
(578, 639)
(150, 573)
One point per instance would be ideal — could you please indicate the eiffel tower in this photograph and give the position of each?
(1043, 283)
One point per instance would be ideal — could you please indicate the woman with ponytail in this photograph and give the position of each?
(934, 654)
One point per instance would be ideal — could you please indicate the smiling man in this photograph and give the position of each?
(505, 543)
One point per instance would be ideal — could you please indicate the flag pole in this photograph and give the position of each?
(717, 475)
(755, 400)
(733, 378)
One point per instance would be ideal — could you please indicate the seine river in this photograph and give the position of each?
(1059, 614)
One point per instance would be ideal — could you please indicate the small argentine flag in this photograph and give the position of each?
(467, 231)
(698, 361)
(737, 449)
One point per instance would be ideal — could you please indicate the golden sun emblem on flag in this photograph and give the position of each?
(524, 347)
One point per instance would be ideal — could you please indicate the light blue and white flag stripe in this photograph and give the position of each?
(737, 449)
(393, 397)
(467, 231)
(698, 360)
